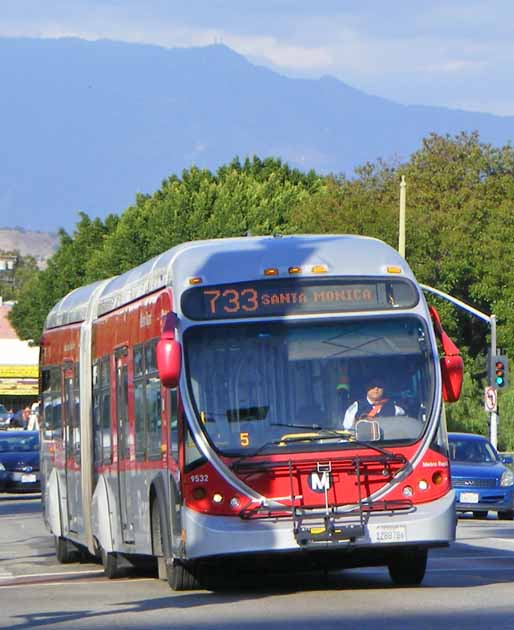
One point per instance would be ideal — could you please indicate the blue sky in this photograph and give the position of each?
(453, 53)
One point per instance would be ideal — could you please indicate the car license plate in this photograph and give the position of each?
(468, 497)
(28, 478)
(389, 534)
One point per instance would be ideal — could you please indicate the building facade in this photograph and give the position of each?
(18, 366)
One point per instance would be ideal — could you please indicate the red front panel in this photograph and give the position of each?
(302, 477)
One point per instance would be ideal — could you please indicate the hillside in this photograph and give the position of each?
(87, 125)
(41, 245)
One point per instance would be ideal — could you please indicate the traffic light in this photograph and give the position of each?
(499, 371)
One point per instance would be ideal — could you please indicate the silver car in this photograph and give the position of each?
(5, 417)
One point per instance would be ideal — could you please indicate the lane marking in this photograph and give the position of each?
(92, 581)
(476, 570)
(87, 572)
(506, 556)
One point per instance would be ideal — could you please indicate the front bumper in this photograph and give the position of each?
(19, 481)
(471, 499)
(431, 524)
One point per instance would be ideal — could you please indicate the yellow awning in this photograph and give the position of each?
(18, 371)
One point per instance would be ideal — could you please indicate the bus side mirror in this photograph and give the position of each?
(169, 354)
(452, 372)
(452, 365)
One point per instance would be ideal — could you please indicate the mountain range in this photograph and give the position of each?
(85, 125)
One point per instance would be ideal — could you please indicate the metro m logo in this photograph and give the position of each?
(319, 481)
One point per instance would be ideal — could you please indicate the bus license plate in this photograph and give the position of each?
(469, 497)
(390, 534)
(28, 478)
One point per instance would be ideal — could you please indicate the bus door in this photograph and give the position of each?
(123, 443)
(72, 449)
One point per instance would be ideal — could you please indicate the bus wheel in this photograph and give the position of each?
(407, 568)
(65, 551)
(182, 577)
(157, 546)
(506, 516)
(179, 576)
(114, 565)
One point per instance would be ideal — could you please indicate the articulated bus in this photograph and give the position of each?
(195, 412)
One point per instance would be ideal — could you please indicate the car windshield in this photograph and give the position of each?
(17, 444)
(474, 451)
(253, 384)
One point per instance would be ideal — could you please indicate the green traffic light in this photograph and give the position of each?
(499, 380)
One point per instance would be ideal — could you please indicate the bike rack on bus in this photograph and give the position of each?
(329, 523)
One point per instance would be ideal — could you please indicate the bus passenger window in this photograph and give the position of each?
(102, 412)
(153, 404)
(139, 402)
(173, 418)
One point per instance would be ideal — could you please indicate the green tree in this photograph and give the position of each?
(25, 269)
(255, 196)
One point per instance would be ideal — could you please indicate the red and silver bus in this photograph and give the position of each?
(196, 411)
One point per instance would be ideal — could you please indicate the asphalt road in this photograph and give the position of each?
(469, 585)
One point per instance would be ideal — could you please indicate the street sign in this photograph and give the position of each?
(490, 400)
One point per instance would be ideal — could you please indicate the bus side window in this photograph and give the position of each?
(56, 394)
(102, 412)
(105, 379)
(153, 400)
(173, 416)
(139, 403)
(153, 418)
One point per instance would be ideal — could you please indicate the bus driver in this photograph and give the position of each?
(374, 405)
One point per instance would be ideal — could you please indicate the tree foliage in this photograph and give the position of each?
(26, 268)
(460, 235)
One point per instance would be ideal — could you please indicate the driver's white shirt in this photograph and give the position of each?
(351, 412)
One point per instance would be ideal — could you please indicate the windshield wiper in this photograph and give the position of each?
(290, 439)
(314, 427)
(374, 447)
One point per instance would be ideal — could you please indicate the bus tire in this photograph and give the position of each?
(157, 546)
(113, 564)
(182, 577)
(506, 515)
(65, 551)
(480, 515)
(179, 576)
(407, 568)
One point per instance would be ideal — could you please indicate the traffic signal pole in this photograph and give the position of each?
(491, 320)
(493, 425)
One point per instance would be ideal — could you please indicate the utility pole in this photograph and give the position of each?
(401, 229)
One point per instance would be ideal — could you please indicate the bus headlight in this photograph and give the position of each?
(507, 478)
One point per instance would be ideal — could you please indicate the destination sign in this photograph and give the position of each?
(291, 296)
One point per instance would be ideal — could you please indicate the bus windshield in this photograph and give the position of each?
(255, 384)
